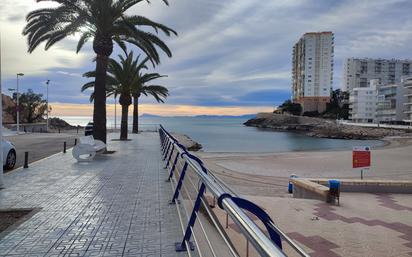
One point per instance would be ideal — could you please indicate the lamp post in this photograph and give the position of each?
(18, 106)
(47, 105)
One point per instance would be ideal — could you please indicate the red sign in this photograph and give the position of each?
(361, 157)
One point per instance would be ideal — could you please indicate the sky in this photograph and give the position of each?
(230, 57)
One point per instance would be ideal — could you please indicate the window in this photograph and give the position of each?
(378, 66)
(405, 68)
(364, 67)
(392, 67)
(363, 82)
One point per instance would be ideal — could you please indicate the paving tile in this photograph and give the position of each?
(116, 205)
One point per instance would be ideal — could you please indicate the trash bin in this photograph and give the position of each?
(334, 189)
(290, 186)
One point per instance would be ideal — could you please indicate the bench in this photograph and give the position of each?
(304, 188)
(87, 148)
(371, 186)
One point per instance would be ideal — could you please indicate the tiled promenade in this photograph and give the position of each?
(114, 206)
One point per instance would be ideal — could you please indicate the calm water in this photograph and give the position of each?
(229, 135)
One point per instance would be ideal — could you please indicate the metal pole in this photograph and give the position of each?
(47, 105)
(17, 106)
(26, 160)
(115, 112)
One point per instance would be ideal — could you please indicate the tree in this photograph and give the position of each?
(32, 107)
(103, 21)
(338, 107)
(121, 78)
(160, 93)
(290, 107)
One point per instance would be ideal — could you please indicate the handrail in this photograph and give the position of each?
(264, 245)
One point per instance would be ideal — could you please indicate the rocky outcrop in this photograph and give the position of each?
(322, 128)
(189, 143)
(58, 123)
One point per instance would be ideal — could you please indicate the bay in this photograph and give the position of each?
(228, 134)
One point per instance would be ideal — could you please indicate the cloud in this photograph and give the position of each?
(71, 74)
(228, 53)
(14, 45)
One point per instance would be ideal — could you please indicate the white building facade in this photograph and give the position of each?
(357, 72)
(390, 105)
(407, 85)
(362, 104)
(312, 70)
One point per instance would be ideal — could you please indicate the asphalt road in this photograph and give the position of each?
(39, 145)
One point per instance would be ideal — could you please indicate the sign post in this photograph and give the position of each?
(361, 158)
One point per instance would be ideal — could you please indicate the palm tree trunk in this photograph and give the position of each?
(135, 115)
(123, 124)
(99, 111)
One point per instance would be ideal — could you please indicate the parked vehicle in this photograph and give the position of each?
(88, 130)
(9, 155)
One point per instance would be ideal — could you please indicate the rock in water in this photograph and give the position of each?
(318, 127)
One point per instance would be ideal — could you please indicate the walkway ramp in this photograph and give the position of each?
(116, 205)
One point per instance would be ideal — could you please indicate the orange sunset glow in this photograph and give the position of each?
(66, 109)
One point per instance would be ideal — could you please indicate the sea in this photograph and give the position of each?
(228, 134)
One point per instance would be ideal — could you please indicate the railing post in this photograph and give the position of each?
(162, 139)
(170, 156)
(167, 151)
(174, 166)
(179, 184)
(181, 246)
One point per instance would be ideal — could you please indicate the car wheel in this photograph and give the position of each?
(11, 160)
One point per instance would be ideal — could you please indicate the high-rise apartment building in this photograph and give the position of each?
(358, 72)
(407, 84)
(312, 70)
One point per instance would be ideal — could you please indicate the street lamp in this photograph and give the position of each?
(47, 104)
(18, 106)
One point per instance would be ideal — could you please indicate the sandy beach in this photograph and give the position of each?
(267, 174)
(356, 228)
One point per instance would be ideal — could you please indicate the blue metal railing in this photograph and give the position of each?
(174, 152)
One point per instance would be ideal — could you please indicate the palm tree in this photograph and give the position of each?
(121, 78)
(103, 21)
(159, 92)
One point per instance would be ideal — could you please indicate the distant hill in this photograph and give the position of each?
(148, 115)
(246, 116)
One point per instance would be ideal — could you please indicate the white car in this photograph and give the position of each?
(9, 155)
